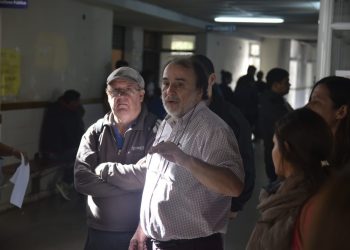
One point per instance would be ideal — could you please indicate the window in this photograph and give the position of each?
(183, 44)
(254, 55)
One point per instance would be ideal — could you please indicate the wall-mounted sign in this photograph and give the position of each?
(10, 61)
(13, 3)
(220, 28)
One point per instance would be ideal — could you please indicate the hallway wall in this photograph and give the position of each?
(228, 53)
(63, 45)
(274, 53)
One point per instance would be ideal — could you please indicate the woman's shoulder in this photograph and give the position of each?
(303, 222)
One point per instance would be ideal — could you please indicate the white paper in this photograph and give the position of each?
(20, 179)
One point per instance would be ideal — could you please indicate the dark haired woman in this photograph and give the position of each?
(302, 141)
(330, 98)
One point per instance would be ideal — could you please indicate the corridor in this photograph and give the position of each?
(55, 224)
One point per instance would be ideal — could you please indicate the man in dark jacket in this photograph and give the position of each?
(272, 107)
(60, 136)
(241, 128)
(124, 136)
(246, 99)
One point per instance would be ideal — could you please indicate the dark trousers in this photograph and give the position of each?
(212, 242)
(103, 240)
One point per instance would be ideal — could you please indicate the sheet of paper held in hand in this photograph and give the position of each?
(20, 179)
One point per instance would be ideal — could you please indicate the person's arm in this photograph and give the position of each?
(129, 177)
(219, 179)
(85, 179)
(6, 150)
(138, 241)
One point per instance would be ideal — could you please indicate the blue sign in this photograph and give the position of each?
(220, 28)
(13, 4)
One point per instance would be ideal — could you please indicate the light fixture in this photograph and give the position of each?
(228, 19)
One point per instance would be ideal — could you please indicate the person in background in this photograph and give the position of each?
(248, 78)
(302, 143)
(260, 85)
(241, 128)
(124, 136)
(330, 97)
(60, 136)
(153, 95)
(246, 99)
(272, 107)
(192, 170)
(225, 89)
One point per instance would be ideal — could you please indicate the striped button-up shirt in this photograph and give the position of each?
(175, 205)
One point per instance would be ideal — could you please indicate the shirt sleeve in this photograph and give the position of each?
(219, 147)
(129, 177)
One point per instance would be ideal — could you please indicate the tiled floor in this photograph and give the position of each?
(55, 224)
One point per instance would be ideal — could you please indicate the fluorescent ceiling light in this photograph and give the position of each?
(227, 19)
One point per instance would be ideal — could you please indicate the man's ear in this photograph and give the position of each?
(342, 112)
(142, 95)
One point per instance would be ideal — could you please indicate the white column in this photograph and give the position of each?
(324, 39)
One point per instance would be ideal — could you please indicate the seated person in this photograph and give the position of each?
(61, 132)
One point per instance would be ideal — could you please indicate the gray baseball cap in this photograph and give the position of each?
(126, 73)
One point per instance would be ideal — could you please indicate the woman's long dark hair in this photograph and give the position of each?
(305, 140)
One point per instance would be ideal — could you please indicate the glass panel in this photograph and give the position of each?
(341, 11)
(254, 49)
(340, 50)
(178, 42)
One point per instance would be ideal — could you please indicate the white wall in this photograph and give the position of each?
(304, 55)
(228, 53)
(277, 53)
(63, 44)
(59, 48)
(274, 53)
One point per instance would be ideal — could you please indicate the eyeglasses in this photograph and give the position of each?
(122, 92)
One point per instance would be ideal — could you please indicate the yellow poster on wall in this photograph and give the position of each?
(10, 62)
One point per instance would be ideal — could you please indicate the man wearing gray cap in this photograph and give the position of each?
(123, 135)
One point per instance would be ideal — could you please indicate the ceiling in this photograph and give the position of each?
(301, 16)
